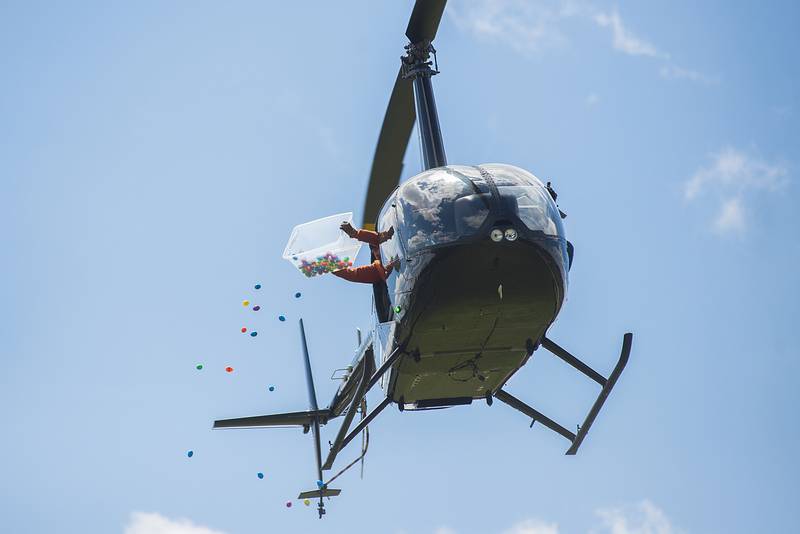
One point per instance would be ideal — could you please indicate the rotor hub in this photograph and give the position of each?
(416, 62)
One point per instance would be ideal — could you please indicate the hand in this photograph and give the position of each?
(347, 228)
(394, 264)
(387, 235)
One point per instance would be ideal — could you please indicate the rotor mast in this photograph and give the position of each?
(417, 67)
(411, 101)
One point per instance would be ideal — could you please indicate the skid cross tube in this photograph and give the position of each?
(396, 353)
(364, 386)
(536, 415)
(573, 361)
(348, 419)
(608, 385)
(364, 422)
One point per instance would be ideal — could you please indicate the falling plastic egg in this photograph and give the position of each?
(245, 303)
(398, 309)
(253, 334)
(272, 388)
(199, 367)
(190, 454)
(244, 329)
(281, 318)
(260, 475)
(320, 484)
(258, 286)
(229, 369)
(297, 295)
(288, 504)
(256, 308)
(307, 502)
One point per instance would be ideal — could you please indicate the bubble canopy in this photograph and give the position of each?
(458, 203)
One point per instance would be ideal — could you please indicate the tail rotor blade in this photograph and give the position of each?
(312, 399)
(312, 394)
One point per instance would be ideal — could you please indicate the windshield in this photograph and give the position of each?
(528, 198)
(443, 205)
(439, 206)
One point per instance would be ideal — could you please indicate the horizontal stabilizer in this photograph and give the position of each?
(313, 494)
(278, 419)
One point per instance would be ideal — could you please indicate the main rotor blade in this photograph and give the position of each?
(425, 20)
(392, 143)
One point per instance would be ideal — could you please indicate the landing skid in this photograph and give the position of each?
(312, 419)
(606, 383)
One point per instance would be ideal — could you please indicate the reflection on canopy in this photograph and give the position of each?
(426, 209)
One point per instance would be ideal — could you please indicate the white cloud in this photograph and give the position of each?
(533, 526)
(644, 518)
(733, 169)
(527, 27)
(532, 27)
(623, 39)
(674, 72)
(154, 523)
(729, 178)
(730, 218)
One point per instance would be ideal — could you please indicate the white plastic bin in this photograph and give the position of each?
(320, 246)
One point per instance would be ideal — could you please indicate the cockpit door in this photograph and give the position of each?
(391, 249)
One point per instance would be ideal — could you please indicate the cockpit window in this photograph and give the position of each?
(531, 201)
(390, 249)
(438, 207)
(533, 209)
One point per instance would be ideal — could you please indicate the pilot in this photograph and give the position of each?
(374, 272)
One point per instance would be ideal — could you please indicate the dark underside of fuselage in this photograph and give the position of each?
(476, 312)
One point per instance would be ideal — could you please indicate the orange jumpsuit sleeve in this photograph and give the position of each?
(368, 274)
(369, 237)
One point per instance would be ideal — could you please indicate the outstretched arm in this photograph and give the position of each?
(367, 236)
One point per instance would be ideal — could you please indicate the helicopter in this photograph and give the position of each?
(483, 273)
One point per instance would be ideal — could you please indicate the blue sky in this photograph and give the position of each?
(156, 155)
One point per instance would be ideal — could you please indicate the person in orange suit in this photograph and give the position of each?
(376, 271)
